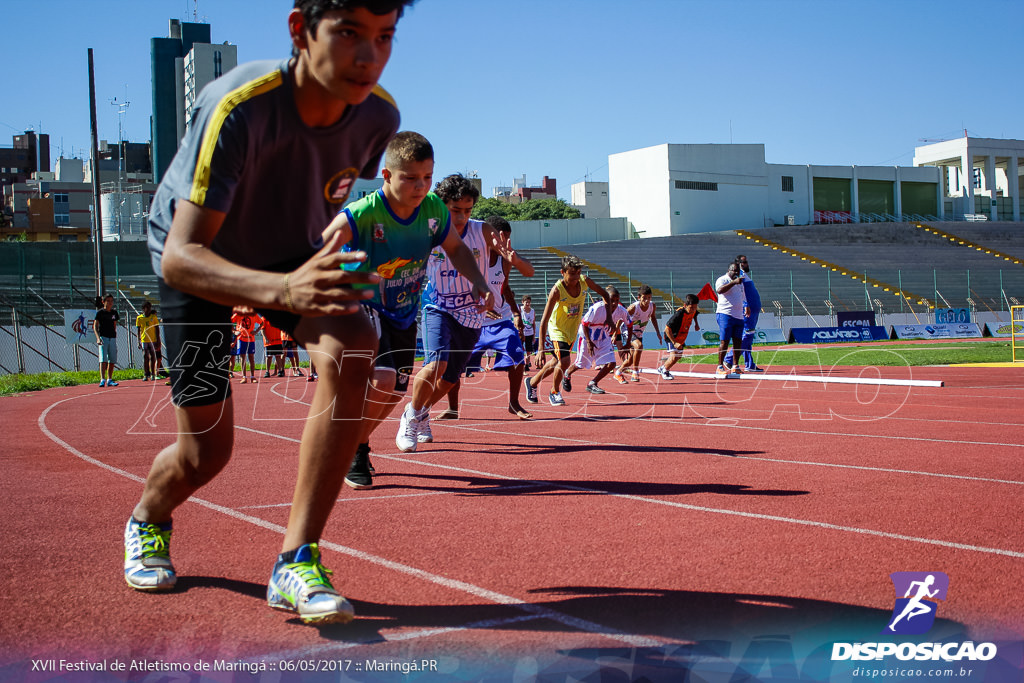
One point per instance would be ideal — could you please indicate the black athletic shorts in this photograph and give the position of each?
(563, 349)
(396, 348)
(198, 335)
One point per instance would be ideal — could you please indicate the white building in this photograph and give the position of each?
(984, 174)
(203, 64)
(673, 189)
(591, 198)
(362, 187)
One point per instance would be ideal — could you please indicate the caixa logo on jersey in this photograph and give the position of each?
(916, 604)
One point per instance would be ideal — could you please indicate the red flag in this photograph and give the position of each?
(707, 293)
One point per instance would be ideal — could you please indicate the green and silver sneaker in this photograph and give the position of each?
(299, 584)
(147, 556)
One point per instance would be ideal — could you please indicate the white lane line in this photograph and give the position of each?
(489, 430)
(730, 423)
(818, 379)
(834, 417)
(453, 584)
(696, 508)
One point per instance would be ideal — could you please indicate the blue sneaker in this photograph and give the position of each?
(103, 382)
(301, 586)
(556, 399)
(111, 383)
(531, 391)
(147, 556)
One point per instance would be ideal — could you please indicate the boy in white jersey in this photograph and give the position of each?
(641, 312)
(529, 318)
(502, 332)
(594, 347)
(451, 318)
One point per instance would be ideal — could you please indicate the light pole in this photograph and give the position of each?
(122, 110)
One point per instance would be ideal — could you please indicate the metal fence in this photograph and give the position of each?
(37, 285)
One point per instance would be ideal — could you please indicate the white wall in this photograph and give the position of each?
(741, 177)
(70, 170)
(749, 195)
(782, 204)
(638, 189)
(553, 233)
(592, 199)
(362, 187)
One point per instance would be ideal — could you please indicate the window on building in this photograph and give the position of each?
(60, 198)
(695, 185)
(787, 183)
(61, 219)
(218, 66)
(977, 177)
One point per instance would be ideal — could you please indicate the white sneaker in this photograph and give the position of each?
(408, 429)
(665, 373)
(423, 435)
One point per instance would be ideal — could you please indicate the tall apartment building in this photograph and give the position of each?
(28, 154)
(182, 64)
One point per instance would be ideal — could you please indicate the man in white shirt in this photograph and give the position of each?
(730, 316)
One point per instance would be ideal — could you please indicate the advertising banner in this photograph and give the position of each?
(855, 318)
(957, 331)
(832, 335)
(78, 326)
(952, 315)
(711, 338)
(1003, 329)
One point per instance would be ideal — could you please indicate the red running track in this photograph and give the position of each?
(672, 530)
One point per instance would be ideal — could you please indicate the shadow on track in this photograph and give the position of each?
(487, 486)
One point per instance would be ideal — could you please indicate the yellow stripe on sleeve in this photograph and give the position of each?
(201, 178)
(385, 95)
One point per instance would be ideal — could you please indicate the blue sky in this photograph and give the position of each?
(552, 87)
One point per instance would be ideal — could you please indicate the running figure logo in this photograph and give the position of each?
(916, 593)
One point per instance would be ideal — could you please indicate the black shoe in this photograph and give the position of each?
(359, 474)
(369, 463)
(566, 383)
(266, 374)
(594, 389)
(531, 392)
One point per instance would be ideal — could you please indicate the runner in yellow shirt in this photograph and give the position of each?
(561, 321)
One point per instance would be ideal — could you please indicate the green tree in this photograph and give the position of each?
(530, 210)
(495, 207)
(546, 209)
